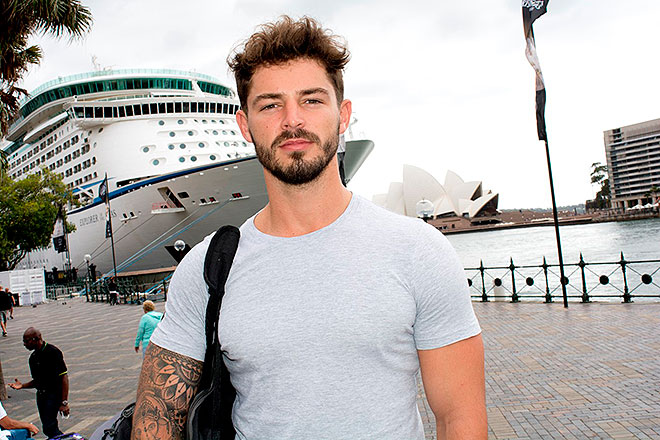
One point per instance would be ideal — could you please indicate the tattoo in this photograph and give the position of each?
(168, 383)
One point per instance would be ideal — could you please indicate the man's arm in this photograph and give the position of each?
(18, 385)
(64, 409)
(455, 388)
(168, 383)
(8, 423)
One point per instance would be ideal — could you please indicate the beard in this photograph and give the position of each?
(299, 171)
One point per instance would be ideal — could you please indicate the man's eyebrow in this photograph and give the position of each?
(313, 91)
(267, 96)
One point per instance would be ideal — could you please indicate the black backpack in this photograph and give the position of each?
(209, 415)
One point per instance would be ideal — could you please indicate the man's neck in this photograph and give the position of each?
(295, 210)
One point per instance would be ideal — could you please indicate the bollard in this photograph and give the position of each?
(484, 296)
(585, 295)
(627, 298)
(514, 295)
(548, 297)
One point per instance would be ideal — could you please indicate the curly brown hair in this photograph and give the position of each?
(285, 40)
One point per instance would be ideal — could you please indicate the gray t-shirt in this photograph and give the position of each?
(321, 331)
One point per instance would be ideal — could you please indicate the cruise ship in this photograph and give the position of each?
(177, 164)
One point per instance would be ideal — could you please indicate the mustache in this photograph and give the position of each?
(299, 133)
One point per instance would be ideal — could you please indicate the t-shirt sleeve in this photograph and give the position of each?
(3, 413)
(182, 328)
(444, 308)
(60, 365)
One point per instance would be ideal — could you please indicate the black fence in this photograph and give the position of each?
(584, 281)
(130, 291)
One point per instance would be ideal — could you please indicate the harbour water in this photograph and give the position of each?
(598, 242)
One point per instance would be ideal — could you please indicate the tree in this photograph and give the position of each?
(28, 209)
(600, 177)
(21, 19)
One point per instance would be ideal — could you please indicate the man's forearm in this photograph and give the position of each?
(65, 387)
(168, 383)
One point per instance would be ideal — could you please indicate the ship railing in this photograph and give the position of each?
(624, 280)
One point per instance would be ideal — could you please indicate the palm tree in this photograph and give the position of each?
(19, 20)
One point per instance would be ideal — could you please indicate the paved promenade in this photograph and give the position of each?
(592, 371)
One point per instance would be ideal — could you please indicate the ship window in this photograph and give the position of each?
(137, 110)
(224, 108)
(161, 122)
(171, 146)
(177, 107)
(89, 112)
(170, 107)
(224, 131)
(183, 195)
(200, 106)
(129, 110)
(182, 146)
(100, 129)
(215, 132)
(154, 108)
(204, 121)
(226, 144)
(145, 149)
(193, 158)
(182, 159)
(221, 121)
(212, 157)
(98, 112)
(93, 160)
(213, 108)
(107, 112)
(171, 134)
(122, 113)
(180, 121)
(145, 109)
(190, 133)
(201, 145)
(186, 107)
(79, 112)
(161, 107)
(193, 107)
(155, 162)
(114, 112)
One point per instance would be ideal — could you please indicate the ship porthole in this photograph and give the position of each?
(190, 133)
(193, 158)
(201, 145)
(155, 162)
(182, 159)
(161, 122)
(145, 149)
(182, 146)
(212, 157)
(180, 121)
(171, 134)
(171, 146)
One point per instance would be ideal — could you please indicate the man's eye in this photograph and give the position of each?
(313, 101)
(268, 106)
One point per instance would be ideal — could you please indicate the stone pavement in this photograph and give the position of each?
(592, 371)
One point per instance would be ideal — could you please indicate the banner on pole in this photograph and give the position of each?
(59, 239)
(103, 190)
(531, 10)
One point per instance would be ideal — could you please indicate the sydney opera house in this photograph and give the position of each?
(421, 195)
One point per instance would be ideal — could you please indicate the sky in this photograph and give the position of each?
(442, 85)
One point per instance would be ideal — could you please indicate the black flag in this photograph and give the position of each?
(59, 239)
(103, 190)
(531, 10)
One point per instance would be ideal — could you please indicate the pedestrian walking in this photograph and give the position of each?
(112, 289)
(148, 324)
(6, 309)
(14, 298)
(50, 378)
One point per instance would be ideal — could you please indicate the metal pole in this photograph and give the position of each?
(556, 222)
(112, 240)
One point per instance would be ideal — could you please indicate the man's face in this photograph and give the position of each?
(294, 120)
(31, 341)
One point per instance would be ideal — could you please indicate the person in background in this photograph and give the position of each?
(112, 289)
(7, 422)
(14, 302)
(148, 324)
(6, 308)
(50, 378)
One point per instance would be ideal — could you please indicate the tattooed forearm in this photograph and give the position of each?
(168, 383)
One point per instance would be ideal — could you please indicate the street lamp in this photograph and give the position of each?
(179, 245)
(424, 209)
(87, 258)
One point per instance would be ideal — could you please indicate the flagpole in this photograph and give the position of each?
(556, 223)
(112, 239)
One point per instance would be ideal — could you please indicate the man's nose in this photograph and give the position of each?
(292, 117)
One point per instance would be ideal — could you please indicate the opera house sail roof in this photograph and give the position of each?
(455, 198)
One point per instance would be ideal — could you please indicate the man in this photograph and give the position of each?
(332, 305)
(49, 377)
(7, 422)
(14, 298)
(6, 309)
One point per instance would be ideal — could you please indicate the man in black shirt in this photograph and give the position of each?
(6, 306)
(49, 377)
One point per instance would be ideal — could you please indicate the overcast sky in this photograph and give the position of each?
(443, 85)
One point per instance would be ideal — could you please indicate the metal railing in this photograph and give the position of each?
(130, 292)
(584, 281)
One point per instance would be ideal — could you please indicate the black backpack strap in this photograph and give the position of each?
(210, 412)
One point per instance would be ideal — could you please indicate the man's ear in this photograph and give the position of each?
(345, 111)
(242, 121)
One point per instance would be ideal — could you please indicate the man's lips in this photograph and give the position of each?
(295, 144)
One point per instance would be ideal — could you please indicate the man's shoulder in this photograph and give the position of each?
(380, 220)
